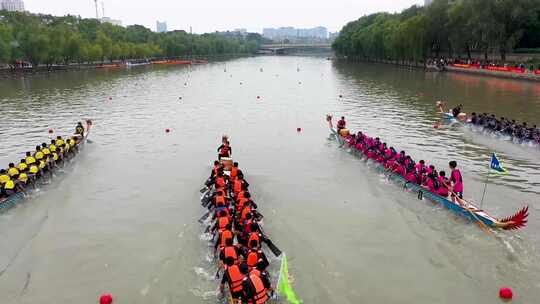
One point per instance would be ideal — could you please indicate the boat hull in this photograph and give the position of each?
(19, 197)
(456, 208)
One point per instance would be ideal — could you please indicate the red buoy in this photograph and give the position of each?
(435, 126)
(506, 293)
(167, 130)
(340, 96)
(110, 98)
(106, 299)
(258, 97)
(298, 129)
(51, 131)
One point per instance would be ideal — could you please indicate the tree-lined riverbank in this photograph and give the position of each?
(445, 29)
(34, 40)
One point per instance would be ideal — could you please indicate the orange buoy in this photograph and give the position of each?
(506, 293)
(106, 299)
(51, 131)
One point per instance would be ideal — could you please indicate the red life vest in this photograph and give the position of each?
(235, 278)
(261, 293)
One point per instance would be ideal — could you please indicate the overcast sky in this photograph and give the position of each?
(212, 15)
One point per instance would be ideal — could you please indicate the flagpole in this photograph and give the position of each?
(485, 187)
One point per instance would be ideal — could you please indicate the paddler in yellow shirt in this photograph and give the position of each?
(12, 170)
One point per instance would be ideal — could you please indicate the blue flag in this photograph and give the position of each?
(496, 165)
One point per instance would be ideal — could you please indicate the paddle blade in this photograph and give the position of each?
(207, 230)
(284, 286)
(275, 250)
(203, 190)
(204, 217)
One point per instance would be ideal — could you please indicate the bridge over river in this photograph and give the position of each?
(283, 49)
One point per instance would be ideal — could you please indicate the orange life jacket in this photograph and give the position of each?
(245, 211)
(235, 277)
(220, 182)
(237, 186)
(230, 251)
(254, 236)
(252, 258)
(256, 272)
(223, 222)
(241, 203)
(261, 293)
(234, 172)
(225, 235)
(220, 201)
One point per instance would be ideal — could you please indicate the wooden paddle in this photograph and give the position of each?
(204, 217)
(275, 250)
(482, 225)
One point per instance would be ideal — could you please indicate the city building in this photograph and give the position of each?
(319, 32)
(12, 5)
(161, 27)
(333, 35)
(111, 21)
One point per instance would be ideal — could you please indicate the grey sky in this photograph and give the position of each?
(212, 15)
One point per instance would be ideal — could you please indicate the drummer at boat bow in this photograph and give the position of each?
(341, 124)
(224, 150)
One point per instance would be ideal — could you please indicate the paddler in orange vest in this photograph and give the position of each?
(256, 289)
(234, 276)
(229, 250)
(219, 200)
(234, 171)
(237, 184)
(223, 237)
(221, 180)
(253, 255)
(224, 150)
(223, 219)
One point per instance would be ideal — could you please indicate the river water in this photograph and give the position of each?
(124, 218)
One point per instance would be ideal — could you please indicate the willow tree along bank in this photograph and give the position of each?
(449, 28)
(45, 39)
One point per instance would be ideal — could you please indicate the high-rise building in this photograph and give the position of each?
(161, 27)
(12, 5)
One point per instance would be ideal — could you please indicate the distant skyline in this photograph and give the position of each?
(209, 16)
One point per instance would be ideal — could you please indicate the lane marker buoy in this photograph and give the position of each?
(105, 299)
(506, 293)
